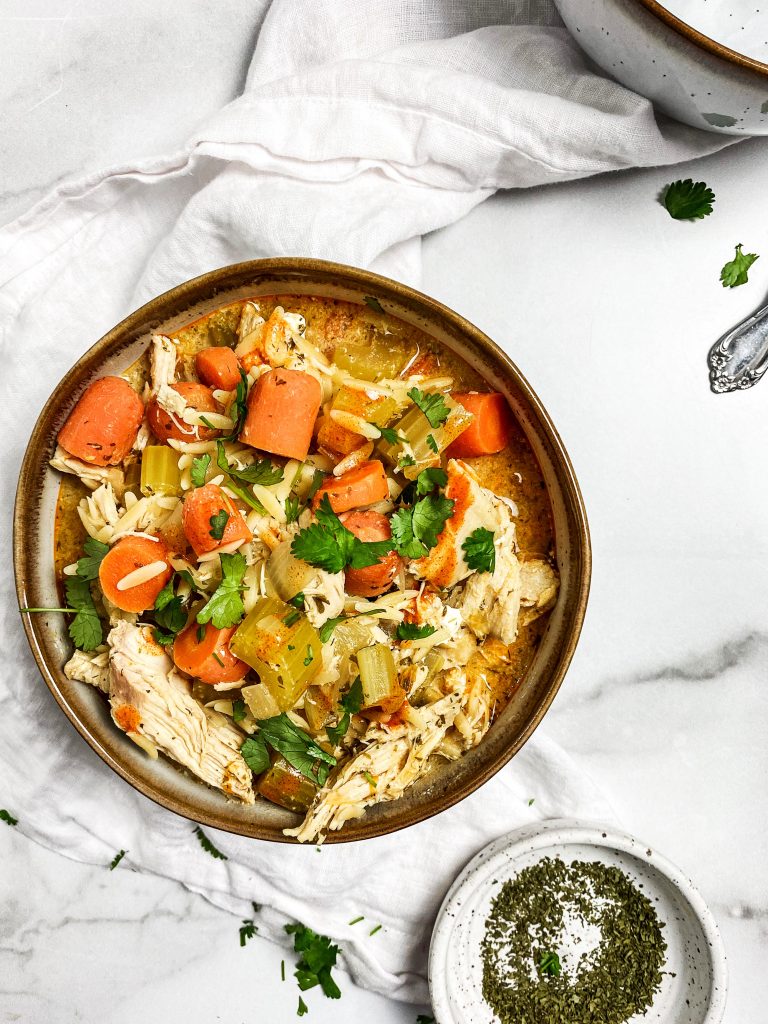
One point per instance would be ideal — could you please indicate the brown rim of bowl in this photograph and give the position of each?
(705, 42)
(207, 285)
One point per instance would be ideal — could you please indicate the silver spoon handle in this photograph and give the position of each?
(740, 358)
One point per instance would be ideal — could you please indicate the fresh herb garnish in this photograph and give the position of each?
(296, 746)
(247, 930)
(328, 544)
(432, 444)
(302, 1009)
(208, 846)
(239, 409)
(357, 920)
(430, 479)
(116, 859)
(310, 657)
(314, 487)
(85, 628)
(241, 492)
(689, 200)
(291, 508)
(736, 271)
(170, 615)
(282, 970)
(406, 460)
(479, 550)
(372, 783)
(199, 468)
(225, 606)
(373, 302)
(7, 817)
(549, 963)
(327, 628)
(415, 530)
(318, 958)
(298, 600)
(432, 405)
(412, 631)
(390, 436)
(292, 617)
(378, 926)
(88, 565)
(238, 710)
(218, 524)
(351, 702)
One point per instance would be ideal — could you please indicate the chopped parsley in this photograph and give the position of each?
(390, 436)
(736, 271)
(208, 846)
(479, 550)
(328, 544)
(7, 817)
(549, 963)
(327, 628)
(412, 631)
(302, 1009)
(688, 200)
(225, 606)
(297, 747)
(430, 479)
(432, 405)
(247, 931)
(406, 460)
(317, 959)
(170, 615)
(116, 859)
(239, 409)
(291, 508)
(218, 524)
(372, 783)
(415, 529)
(88, 566)
(242, 493)
(199, 468)
(351, 703)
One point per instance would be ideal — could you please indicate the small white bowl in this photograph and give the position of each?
(693, 992)
(685, 72)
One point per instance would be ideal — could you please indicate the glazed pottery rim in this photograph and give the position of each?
(705, 42)
(541, 838)
(202, 289)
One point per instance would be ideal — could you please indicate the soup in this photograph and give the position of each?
(308, 553)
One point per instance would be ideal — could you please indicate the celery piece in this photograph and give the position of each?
(373, 408)
(160, 471)
(352, 634)
(284, 650)
(378, 675)
(426, 442)
(284, 785)
(260, 701)
(288, 574)
(316, 708)
(372, 358)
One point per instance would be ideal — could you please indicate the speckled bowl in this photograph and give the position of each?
(685, 72)
(695, 982)
(34, 567)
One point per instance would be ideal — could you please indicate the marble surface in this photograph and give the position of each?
(609, 307)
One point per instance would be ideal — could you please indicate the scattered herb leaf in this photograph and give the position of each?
(549, 963)
(225, 607)
(390, 436)
(85, 628)
(7, 817)
(412, 631)
(373, 302)
(374, 930)
(238, 710)
(736, 271)
(116, 859)
(208, 846)
(296, 746)
(415, 530)
(303, 1008)
(328, 544)
(688, 200)
(430, 479)
(239, 409)
(199, 468)
(479, 550)
(432, 405)
(291, 508)
(357, 920)
(88, 565)
(432, 444)
(247, 930)
(218, 524)
(255, 754)
(318, 957)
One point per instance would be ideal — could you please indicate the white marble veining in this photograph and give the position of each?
(609, 308)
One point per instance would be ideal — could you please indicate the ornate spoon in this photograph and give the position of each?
(740, 358)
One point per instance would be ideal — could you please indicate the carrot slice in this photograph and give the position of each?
(127, 557)
(209, 657)
(164, 426)
(282, 409)
(204, 504)
(373, 579)
(102, 427)
(218, 368)
(489, 431)
(363, 485)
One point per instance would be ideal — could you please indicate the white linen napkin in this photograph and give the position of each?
(364, 124)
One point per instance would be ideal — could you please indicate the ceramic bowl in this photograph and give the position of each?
(685, 72)
(33, 549)
(695, 979)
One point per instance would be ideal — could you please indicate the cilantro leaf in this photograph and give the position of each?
(415, 530)
(688, 200)
(262, 471)
(199, 468)
(88, 566)
(429, 479)
(412, 631)
(218, 524)
(432, 444)
(298, 600)
(479, 550)
(238, 710)
(242, 493)
(406, 543)
(291, 508)
(318, 958)
(390, 436)
(328, 544)
(255, 754)
(208, 846)
(239, 409)
(327, 628)
(225, 606)
(172, 617)
(314, 487)
(165, 596)
(373, 303)
(7, 817)
(735, 272)
(297, 747)
(352, 700)
(247, 931)
(116, 859)
(432, 405)
(406, 460)
(85, 628)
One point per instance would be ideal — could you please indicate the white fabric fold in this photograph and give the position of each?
(364, 125)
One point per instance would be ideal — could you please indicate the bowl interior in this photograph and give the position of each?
(34, 566)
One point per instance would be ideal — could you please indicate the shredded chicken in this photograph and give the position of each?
(539, 584)
(90, 667)
(162, 362)
(152, 702)
(92, 476)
